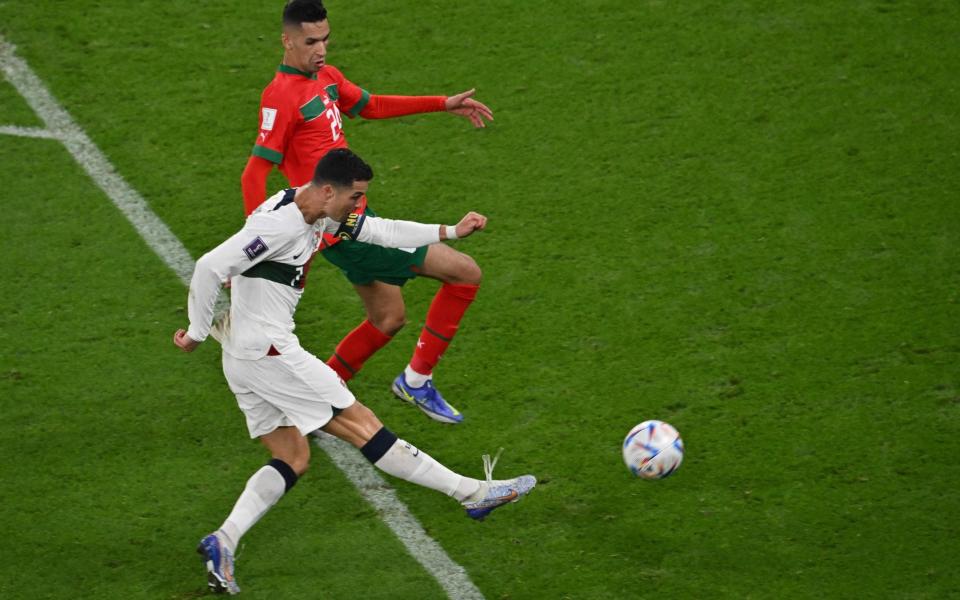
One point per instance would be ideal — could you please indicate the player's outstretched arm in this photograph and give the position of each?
(463, 104)
(392, 233)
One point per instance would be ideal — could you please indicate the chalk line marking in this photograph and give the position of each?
(30, 132)
(60, 126)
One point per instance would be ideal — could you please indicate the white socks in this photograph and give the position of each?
(263, 489)
(415, 379)
(385, 450)
(406, 461)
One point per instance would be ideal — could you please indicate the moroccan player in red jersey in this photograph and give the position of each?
(301, 118)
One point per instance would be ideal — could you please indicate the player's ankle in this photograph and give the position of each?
(415, 379)
(480, 493)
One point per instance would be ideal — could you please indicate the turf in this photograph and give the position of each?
(739, 217)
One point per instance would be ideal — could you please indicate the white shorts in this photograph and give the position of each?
(294, 389)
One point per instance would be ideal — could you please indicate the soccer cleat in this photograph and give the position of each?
(218, 560)
(499, 492)
(427, 399)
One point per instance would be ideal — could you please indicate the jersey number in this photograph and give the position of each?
(298, 277)
(336, 122)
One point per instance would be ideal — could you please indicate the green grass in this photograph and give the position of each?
(739, 217)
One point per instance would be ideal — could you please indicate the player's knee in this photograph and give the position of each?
(366, 421)
(300, 464)
(389, 322)
(469, 271)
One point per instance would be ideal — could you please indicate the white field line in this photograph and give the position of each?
(31, 132)
(154, 231)
(59, 125)
(451, 576)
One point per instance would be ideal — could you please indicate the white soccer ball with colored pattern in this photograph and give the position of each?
(653, 450)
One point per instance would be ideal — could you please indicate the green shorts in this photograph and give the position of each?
(363, 263)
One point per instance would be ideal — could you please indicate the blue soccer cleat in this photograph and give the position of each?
(499, 492)
(427, 399)
(218, 560)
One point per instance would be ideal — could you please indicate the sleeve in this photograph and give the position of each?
(351, 98)
(246, 248)
(277, 119)
(389, 233)
(253, 183)
(385, 107)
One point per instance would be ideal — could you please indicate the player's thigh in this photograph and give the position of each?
(448, 265)
(364, 263)
(356, 425)
(261, 416)
(383, 303)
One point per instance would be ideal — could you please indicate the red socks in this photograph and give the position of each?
(354, 350)
(443, 320)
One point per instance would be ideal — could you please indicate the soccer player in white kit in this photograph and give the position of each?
(286, 392)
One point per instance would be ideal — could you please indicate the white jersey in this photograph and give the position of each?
(267, 263)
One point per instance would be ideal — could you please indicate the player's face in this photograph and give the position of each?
(305, 47)
(345, 200)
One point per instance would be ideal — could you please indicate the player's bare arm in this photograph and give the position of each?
(465, 105)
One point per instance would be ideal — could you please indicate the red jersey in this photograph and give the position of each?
(300, 121)
(300, 118)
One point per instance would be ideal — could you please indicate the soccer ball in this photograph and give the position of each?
(653, 450)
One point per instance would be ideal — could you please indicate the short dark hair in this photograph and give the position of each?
(341, 167)
(303, 11)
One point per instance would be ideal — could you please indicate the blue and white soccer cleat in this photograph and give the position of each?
(499, 492)
(218, 560)
(427, 399)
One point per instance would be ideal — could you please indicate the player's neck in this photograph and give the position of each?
(310, 203)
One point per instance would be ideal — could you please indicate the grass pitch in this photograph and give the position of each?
(739, 217)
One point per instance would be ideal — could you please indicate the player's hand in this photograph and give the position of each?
(464, 105)
(184, 341)
(469, 223)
